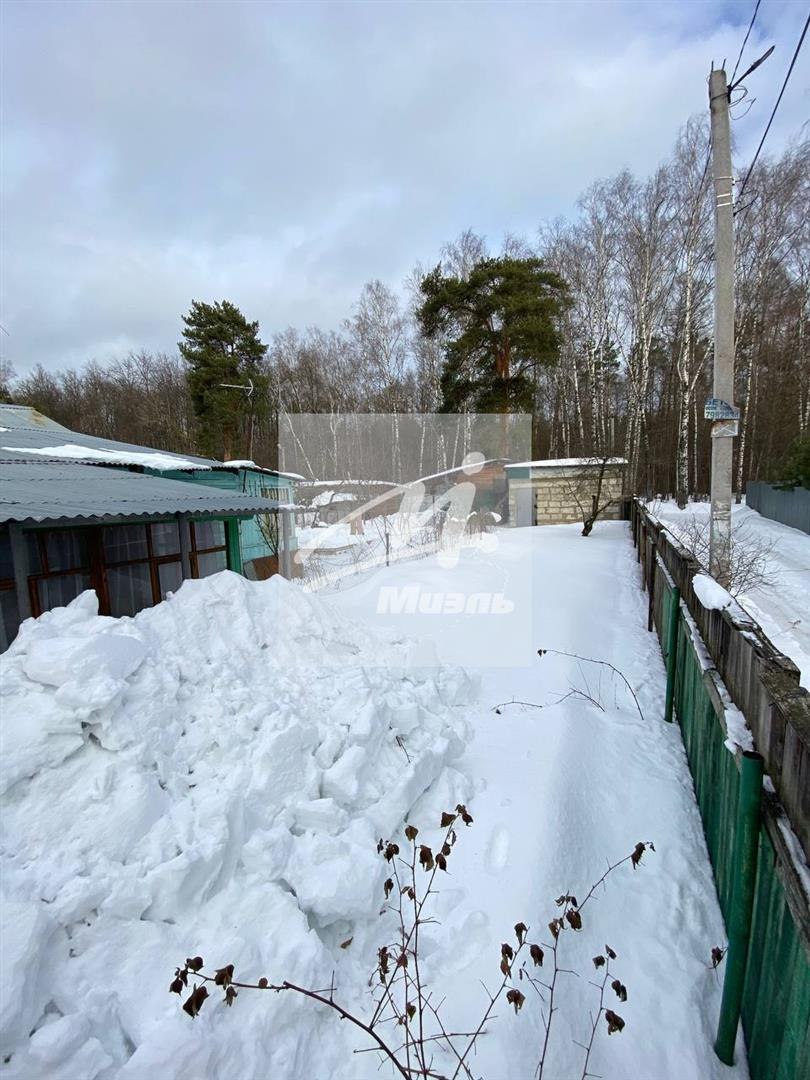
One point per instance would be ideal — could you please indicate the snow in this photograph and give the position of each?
(738, 734)
(220, 786)
(211, 774)
(782, 607)
(556, 792)
(331, 537)
(149, 460)
(549, 463)
(238, 463)
(326, 498)
(711, 593)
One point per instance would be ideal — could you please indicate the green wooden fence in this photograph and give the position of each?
(776, 987)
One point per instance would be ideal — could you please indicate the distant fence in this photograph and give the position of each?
(791, 506)
(712, 655)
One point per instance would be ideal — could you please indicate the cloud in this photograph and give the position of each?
(280, 155)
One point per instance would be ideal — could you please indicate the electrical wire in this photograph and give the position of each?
(745, 40)
(776, 106)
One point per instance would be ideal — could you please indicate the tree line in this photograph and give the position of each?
(600, 326)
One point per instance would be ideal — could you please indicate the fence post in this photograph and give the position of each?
(651, 585)
(742, 902)
(672, 651)
(285, 567)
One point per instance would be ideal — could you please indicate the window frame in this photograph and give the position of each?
(150, 559)
(195, 551)
(88, 569)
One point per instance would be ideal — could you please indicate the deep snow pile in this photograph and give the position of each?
(210, 776)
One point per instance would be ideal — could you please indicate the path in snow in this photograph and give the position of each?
(782, 608)
(559, 791)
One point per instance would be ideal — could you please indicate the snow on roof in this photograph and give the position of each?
(73, 452)
(32, 433)
(246, 463)
(346, 483)
(470, 469)
(550, 463)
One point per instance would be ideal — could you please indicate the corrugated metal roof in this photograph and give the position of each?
(13, 417)
(28, 429)
(39, 491)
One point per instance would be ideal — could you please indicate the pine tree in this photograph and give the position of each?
(499, 325)
(221, 346)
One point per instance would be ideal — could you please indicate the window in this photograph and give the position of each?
(129, 588)
(58, 566)
(170, 577)
(125, 542)
(142, 564)
(210, 562)
(208, 548)
(166, 538)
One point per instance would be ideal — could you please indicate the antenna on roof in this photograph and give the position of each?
(248, 392)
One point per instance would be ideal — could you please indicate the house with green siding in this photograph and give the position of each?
(130, 522)
(258, 537)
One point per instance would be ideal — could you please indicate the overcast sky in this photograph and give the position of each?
(280, 155)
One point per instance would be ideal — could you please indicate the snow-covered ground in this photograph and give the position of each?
(211, 776)
(782, 606)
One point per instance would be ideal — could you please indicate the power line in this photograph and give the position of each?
(776, 106)
(745, 40)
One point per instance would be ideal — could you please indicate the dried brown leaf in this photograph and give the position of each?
(614, 1021)
(194, 1002)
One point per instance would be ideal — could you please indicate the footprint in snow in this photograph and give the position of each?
(469, 942)
(497, 853)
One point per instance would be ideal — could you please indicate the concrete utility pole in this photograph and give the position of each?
(720, 409)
